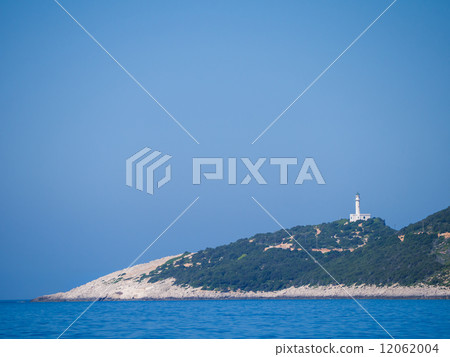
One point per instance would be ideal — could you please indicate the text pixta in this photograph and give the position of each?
(212, 168)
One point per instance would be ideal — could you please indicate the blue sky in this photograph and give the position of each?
(376, 122)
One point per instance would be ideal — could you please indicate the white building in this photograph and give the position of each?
(358, 216)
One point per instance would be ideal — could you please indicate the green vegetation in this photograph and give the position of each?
(242, 256)
(355, 253)
(436, 223)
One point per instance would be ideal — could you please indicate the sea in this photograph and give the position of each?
(293, 319)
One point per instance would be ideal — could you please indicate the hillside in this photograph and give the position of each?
(355, 253)
(368, 256)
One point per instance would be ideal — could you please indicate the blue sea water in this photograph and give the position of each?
(227, 319)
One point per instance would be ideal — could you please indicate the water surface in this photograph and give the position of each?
(227, 319)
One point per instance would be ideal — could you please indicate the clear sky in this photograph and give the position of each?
(377, 122)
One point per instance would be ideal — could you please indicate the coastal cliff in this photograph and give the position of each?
(369, 259)
(126, 286)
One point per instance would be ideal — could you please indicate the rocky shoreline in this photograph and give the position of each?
(128, 285)
(50, 298)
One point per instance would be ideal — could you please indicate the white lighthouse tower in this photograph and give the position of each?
(357, 216)
(357, 209)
